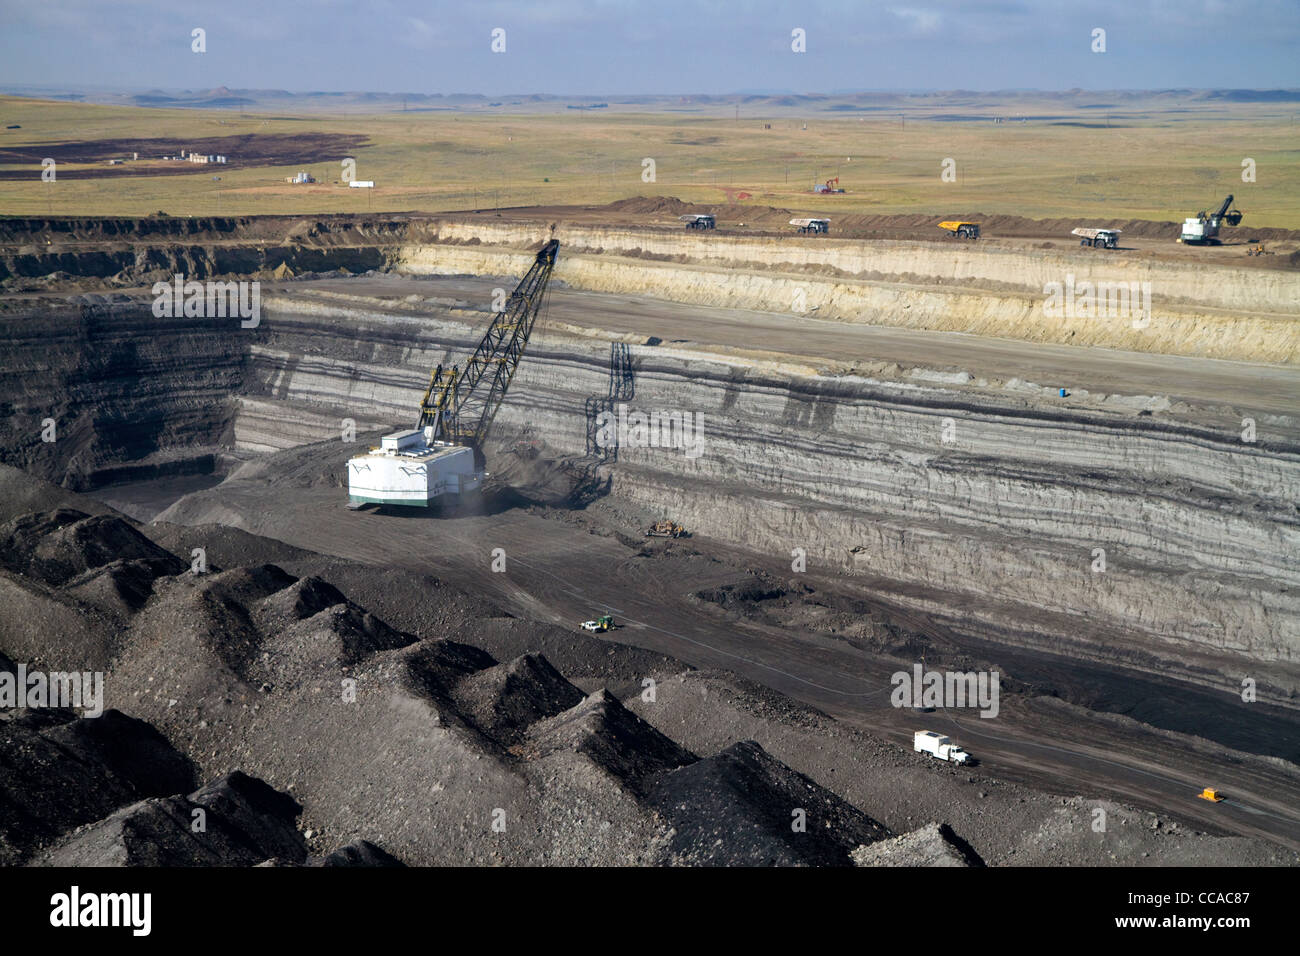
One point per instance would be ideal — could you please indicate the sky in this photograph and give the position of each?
(612, 47)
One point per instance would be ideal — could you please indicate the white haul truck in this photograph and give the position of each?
(937, 745)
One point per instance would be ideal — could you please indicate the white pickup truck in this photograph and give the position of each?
(937, 745)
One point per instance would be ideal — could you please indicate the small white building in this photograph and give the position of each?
(362, 184)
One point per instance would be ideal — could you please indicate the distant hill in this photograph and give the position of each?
(995, 103)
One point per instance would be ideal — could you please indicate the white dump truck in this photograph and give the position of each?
(1097, 238)
(937, 745)
(812, 225)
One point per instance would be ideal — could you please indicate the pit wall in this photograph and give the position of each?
(116, 386)
(950, 262)
(992, 533)
(967, 506)
(1241, 314)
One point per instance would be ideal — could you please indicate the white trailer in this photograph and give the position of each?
(937, 745)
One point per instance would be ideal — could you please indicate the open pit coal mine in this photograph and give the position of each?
(916, 467)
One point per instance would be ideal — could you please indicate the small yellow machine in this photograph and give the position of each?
(665, 529)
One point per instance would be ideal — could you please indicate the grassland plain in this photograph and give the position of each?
(1163, 158)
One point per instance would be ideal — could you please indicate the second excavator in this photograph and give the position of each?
(1203, 229)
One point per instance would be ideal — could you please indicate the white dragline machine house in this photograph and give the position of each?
(443, 454)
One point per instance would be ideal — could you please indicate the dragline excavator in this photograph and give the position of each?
(443, 454)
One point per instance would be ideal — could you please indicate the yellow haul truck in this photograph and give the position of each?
(962, 230)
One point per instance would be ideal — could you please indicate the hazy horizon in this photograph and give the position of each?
(644, 94)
